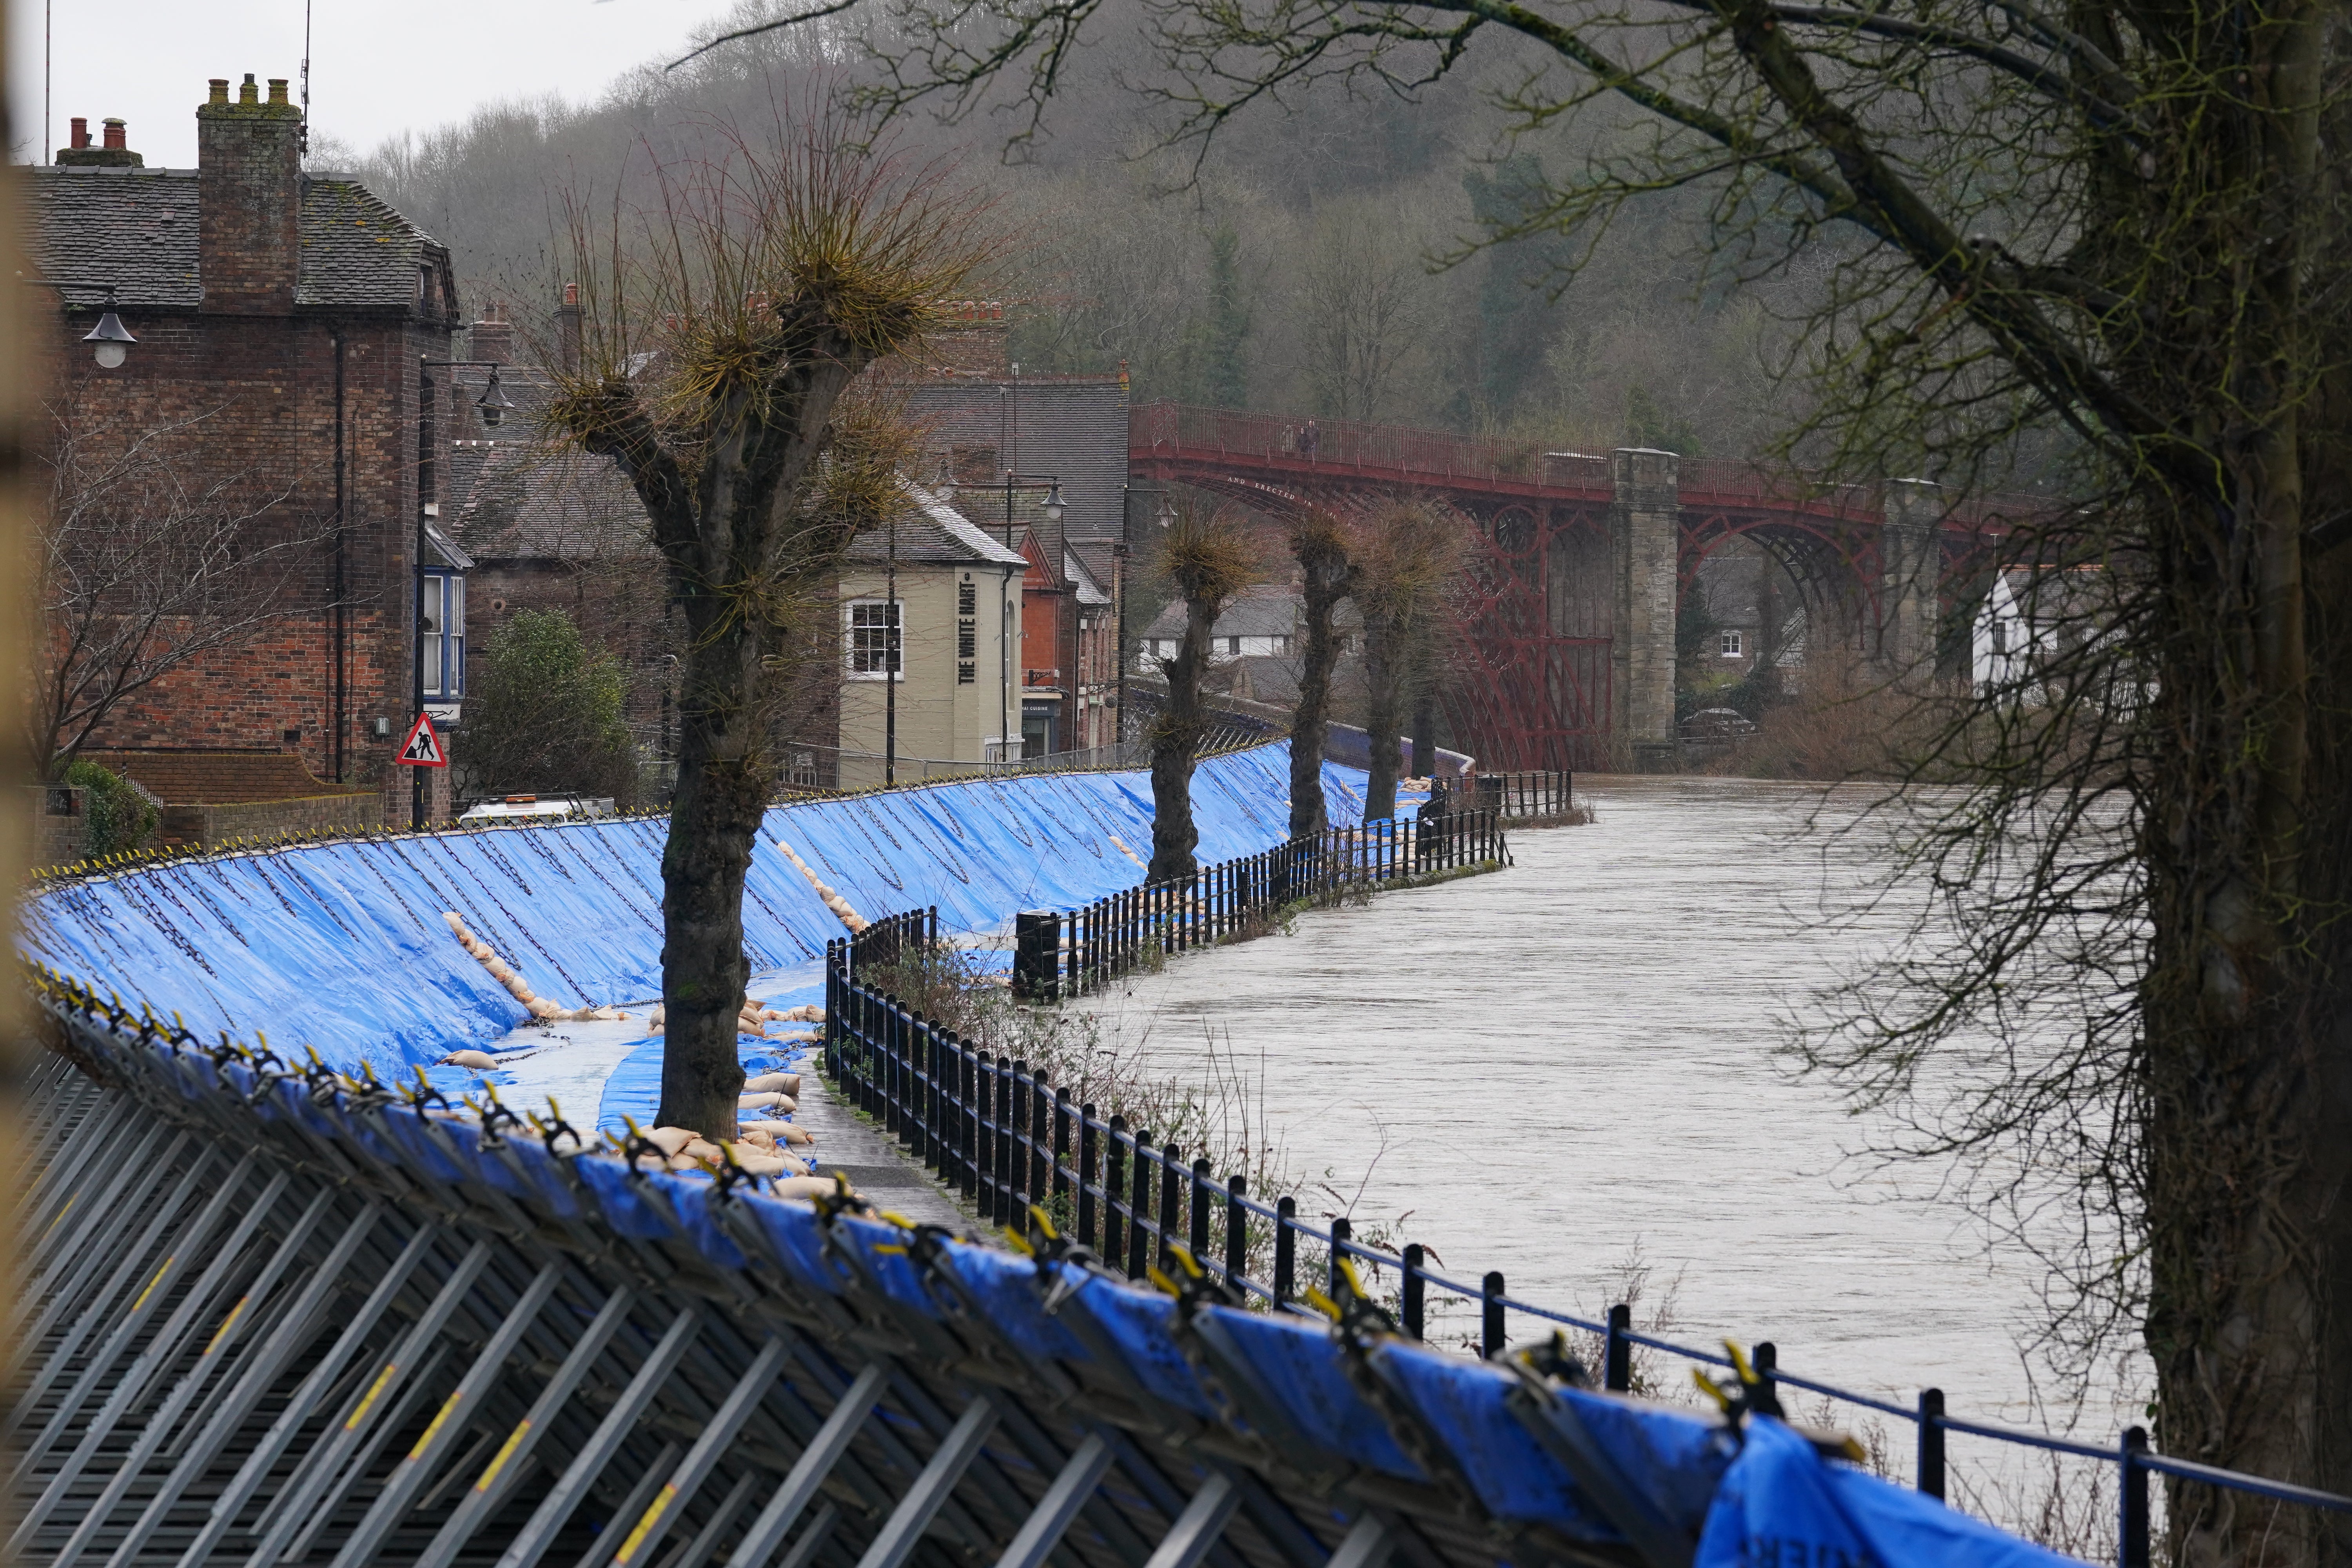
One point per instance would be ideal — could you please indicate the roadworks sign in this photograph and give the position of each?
(422, 748)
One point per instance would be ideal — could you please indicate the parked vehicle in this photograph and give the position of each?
(538, 807)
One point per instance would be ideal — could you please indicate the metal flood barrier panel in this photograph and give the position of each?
(278, 1315)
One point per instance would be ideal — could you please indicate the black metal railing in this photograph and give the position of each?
(884, 941)
(996, 1133)
(1059, 954)
(1522, 795)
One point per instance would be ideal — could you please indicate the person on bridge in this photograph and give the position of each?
(1309, 439)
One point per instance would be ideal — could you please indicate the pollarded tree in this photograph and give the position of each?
(721, 325)
(1405, 554)
(1318, 542)
(2105, 237)
(1208, 556)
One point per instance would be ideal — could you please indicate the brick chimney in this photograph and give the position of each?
(248, 194)
(567, 328)
(115, 154)
(494, 337)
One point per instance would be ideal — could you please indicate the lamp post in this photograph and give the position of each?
(493, 404)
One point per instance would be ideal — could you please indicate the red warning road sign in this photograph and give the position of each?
(423, 747)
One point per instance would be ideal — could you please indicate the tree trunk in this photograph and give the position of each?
(1383, 712)
(1175, 742)
(2248, 1015)
(1311, 722)
(1424, 711)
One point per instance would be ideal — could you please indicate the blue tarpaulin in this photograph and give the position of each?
(343, 947)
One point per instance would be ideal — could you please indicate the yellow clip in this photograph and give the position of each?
(1322, 1303)
(902, 1221)
(1043, 1221)
(1157, 1278)
(1711, 1388)
(1347, 1266)
(1739, 1364)
(1018, 1243)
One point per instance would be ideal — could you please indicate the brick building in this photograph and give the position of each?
(280, 317)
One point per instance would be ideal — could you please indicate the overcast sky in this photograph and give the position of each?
(376, 68)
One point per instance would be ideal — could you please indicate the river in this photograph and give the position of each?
(1575, 1058)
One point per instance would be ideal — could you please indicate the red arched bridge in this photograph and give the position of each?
(1565, 656)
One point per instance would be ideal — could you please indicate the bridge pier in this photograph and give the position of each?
(1910, 553)
(1644, 542)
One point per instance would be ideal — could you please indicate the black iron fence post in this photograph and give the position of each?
(1090, 1159)
(1139, 1225)
(1931, 1441)
(1286, 1249)
(1236, 1230)
(1114, 1239)
(1342, 1230)
(1617, 1351)
(2131, 1547)
(1415, 1289)
(1171, 1196)
(1490, 1325)
(1199, 1238)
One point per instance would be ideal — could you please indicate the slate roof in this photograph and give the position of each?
(137, 229)
(930, 531)
(1073, 571)
(1071, 426)
(1265, 612)
(523, 501)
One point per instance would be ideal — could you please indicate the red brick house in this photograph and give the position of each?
(281, 317)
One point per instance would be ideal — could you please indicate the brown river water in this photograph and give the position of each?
(1575, 1058)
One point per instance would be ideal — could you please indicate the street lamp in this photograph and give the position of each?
(113, 338)
(494, 401)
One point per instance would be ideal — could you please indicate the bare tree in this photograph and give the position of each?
(1406, 554)
(1208, 556)
(721, 323)
(1362, 308)
(1318, 542)
(151, 562)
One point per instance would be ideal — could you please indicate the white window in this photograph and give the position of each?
(1233, 645)
(876, 651)
(1731, 645)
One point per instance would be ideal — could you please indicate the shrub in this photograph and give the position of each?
(116, 816)
(544, 714)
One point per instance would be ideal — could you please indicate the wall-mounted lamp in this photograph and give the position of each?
(113, 338)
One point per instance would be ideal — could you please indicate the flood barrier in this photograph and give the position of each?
(276, 1314)
(342, 947)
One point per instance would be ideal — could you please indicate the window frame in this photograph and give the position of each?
(850, 650)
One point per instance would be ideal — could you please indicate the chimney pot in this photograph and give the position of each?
(278, 89)
(249, 93)
(220, 90)
(571, 295)
(80, 137)
(114, 135)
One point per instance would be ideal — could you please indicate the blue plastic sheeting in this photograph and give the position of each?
(634, 1089)
(342, 947)
(1782, 1502)
(1759, 1495)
